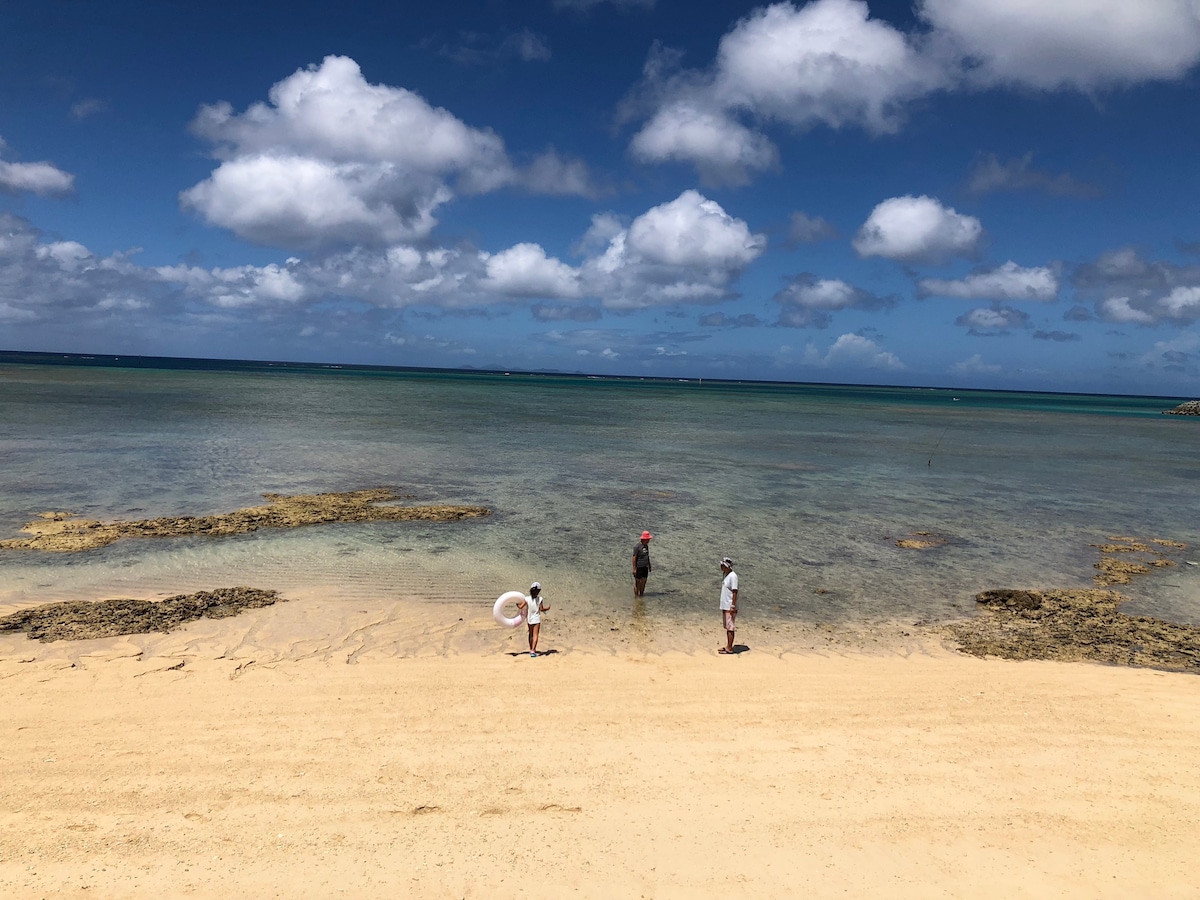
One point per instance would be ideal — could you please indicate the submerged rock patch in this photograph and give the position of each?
(1113, 570)
(79, 620)
(62, 532)
(921, 540)
(1075, 625)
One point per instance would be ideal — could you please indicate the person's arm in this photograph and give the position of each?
(543, 605)
(733, 601)
(521, 604)
(635, 560)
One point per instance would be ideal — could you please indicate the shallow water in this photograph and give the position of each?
(806, 487)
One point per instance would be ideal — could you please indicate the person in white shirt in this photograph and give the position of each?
(533, 606)
(729, 606)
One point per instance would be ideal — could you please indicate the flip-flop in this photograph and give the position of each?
(724, 652)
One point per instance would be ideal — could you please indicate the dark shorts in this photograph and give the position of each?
(642, 573)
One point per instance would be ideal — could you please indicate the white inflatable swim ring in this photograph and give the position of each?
(498, 609)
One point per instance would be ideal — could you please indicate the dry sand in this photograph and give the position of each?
(312, 749)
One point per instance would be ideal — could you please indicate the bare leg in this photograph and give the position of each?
(639, 587)
(725, 623)
(534, 631)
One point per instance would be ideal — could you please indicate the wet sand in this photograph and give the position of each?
(320, 748)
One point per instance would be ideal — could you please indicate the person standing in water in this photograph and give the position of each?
(641, 564)
(729, 604)
(533, 606)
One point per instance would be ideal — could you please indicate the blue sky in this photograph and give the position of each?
(972, 193)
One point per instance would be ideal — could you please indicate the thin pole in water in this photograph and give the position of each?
(938, 444)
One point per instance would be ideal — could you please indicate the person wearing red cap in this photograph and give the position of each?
(641, 564)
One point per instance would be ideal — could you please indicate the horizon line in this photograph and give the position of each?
(108, 360)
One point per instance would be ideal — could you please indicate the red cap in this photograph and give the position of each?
(646, 535)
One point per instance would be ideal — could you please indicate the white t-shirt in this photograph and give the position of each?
(728, 586)
(533, 610)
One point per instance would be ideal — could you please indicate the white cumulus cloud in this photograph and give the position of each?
(829, 63)
(1182, 303)
(974, 365)
(52, 281)
(41, 178)
(823, 62)
(687, 250)
(332, 160)
(1136, 291)
(305, 202)
(809, 301)
(271, 285)
(692, 230)
(723, 150)
(1081, 44)
(992, 320)
(1006, 282)
(853, 351)
(1179, 354)
(524, 270)
(1122, 312)
(917, 229)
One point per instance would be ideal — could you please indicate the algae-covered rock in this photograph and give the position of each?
(63, 533)
(1120, 571)
(78, 620)
(1075, 625)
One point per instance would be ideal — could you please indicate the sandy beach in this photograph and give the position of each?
(314, 750)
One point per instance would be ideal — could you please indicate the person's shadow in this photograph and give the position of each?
(737, 649)
(526, 652)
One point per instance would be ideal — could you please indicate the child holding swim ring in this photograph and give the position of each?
(533, 606)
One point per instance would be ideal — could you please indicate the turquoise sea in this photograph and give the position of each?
(807, 487)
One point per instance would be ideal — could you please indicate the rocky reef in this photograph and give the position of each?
(1075, 625)
(1085, 624)
(63, 532)
(1142, 558)
(78, 620)
(921, 540)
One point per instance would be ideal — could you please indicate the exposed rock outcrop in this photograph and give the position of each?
(1075, 625)
(1146, 557)
(1189, 408)
(62, 532)
(78, 620)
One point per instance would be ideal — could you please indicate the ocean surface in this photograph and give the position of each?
(806, 487)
